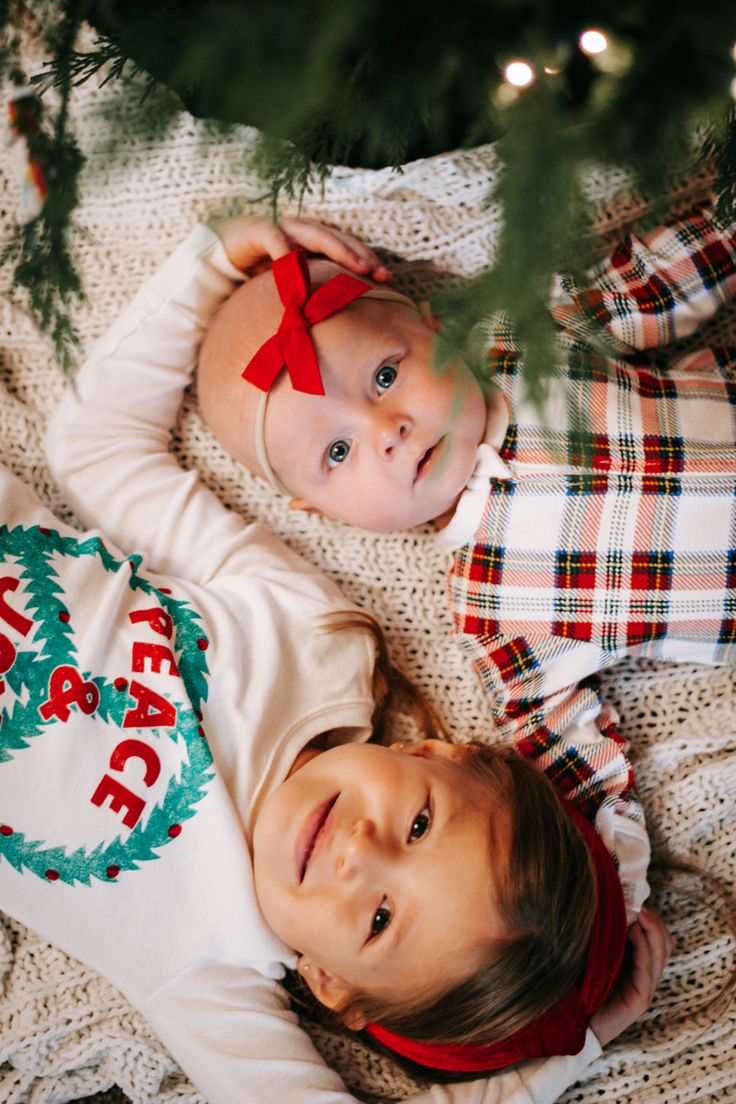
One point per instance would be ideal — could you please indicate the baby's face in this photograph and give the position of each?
(376, 866)
(392, 442)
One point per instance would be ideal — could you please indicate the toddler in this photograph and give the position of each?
(187, 793)
(599, 526)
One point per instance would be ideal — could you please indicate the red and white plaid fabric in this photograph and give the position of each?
(615, 532)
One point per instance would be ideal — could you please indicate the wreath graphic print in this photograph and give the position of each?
(39, 671)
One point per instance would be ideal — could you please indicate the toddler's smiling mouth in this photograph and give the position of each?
(311, 830)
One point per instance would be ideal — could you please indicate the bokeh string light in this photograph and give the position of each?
(519, 74)
(593, 42)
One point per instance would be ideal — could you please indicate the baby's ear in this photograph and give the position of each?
(331, 992)
(302, 504)
(429, 319)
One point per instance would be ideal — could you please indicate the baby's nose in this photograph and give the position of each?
(391, 430)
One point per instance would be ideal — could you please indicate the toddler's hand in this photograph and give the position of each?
(652, 946)
(249, 239)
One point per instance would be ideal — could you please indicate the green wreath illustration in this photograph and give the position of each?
(35, 549)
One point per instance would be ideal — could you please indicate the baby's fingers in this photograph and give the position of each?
(248, 239)
(343, 248)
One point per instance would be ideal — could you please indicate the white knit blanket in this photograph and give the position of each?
(65, 1032)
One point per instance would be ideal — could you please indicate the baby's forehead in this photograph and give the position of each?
(362, 337)
(372, 319)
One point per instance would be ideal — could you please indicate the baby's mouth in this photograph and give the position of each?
(425, 460)
(309, 834)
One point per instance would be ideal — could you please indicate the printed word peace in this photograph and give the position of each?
(152, 711)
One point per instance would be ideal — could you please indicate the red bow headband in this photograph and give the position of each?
(291, 345)
(561, 1030)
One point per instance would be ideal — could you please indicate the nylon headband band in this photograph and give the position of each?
(260, 424)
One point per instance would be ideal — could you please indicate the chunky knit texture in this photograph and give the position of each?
(64, 1032)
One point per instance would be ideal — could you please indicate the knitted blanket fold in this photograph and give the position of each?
(65, 1032)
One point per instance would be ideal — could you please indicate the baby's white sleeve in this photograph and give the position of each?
(232, 1032)
(108, 441)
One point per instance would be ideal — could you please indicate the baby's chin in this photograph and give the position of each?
(400, 522)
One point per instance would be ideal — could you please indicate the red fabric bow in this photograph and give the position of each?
(561, 1030)
(291, 345)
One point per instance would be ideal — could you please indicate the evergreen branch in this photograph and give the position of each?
(81, 65)
(39, 248)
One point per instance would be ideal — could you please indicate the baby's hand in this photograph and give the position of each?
(652, 945)
(249, 239)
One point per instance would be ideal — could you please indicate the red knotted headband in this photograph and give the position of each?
(561, 1030)
(291, 345)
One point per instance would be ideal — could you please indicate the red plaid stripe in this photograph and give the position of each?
(513, 659)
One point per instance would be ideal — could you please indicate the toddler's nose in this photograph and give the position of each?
(357, 849)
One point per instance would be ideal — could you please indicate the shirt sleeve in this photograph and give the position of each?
(108, 441)
(545, 698)
(234, 1035)
(652, 290)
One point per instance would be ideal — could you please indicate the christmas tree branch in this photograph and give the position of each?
(40, 248)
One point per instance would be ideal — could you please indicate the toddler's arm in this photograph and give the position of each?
(108, 441)
(544, 697)
(652, 290)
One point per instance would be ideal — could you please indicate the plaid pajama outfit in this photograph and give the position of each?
(611, 529)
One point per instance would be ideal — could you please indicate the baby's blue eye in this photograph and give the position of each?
(421, 823)
(385, 376)
(337, 452)
(381, 920)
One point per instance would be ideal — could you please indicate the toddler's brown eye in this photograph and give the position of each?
(381, 920)
(385, 377)
(337, 452)
(421, 824)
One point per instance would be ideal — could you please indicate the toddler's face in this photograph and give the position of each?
(379, 866)
(392, 442)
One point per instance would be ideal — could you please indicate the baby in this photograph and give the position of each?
(599, 526)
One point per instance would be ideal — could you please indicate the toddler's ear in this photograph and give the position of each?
(302, 504)
(331, 992)
(436, 749)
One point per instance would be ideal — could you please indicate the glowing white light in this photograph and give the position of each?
(593, 42)
(732, 89)
(519, 73)
(551, 71)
